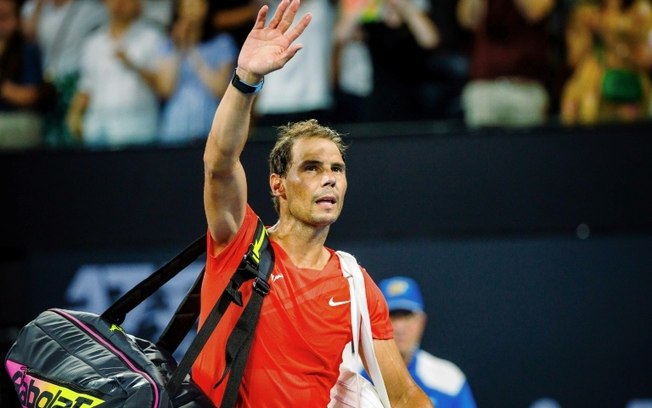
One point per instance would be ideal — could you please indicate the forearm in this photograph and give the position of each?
(167, 77)
(534, 10)
(413, 398)
(216, 80)
(230, 127)
(470, 13)
(76, 111)
(150, 77)
(423, 29)
(225, 188)
(19, 95)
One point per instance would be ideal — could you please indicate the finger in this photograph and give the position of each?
(291, 52)
(297, 30)
(288, 16)
(278, 15)
(260, 18)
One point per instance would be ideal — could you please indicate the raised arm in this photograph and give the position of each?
(266, 49)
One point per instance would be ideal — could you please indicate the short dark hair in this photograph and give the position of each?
(280, 157)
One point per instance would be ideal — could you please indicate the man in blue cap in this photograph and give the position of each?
(442, 380)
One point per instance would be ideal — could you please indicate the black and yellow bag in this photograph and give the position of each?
(67, 358)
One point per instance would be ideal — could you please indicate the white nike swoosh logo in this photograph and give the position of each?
(332, 302)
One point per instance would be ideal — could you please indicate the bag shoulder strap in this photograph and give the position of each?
(256, 264)
(239, 342)
(351, 270)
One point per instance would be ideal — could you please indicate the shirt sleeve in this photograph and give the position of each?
(381, 326)
(231, 255)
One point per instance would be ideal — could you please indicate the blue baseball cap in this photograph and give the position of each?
(402, 293)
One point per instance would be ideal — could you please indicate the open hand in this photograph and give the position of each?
(269, 48)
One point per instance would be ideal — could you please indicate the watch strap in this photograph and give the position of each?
(244, 87)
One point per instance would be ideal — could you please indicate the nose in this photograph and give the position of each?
(329, 178)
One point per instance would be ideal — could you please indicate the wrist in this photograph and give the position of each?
(251, 85)
(248, 77)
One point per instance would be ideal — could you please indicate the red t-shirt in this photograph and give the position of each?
(304, 325)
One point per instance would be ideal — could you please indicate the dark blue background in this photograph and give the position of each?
(533, 247)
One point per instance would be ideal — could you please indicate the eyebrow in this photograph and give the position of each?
(320, 163)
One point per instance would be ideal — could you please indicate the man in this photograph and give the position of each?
(442, 380)
(510, 62)
(20, 79)
(116, 104)
(60, 28)
(305, 318)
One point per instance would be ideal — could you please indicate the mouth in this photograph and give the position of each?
(326, 201)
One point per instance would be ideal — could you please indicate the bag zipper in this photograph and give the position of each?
(98, 337)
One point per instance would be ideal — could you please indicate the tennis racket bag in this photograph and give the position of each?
(73, 359)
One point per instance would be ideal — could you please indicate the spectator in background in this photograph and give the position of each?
(235, 17)
(194, 73)
(443, 382)
(610, 49)
(20, 80)
(116, 104)
(352, 68)
(400, 35)
(303, 88)
(447, 66)
(509, 62)
(60, 28)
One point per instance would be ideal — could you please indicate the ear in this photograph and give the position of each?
(276, 185)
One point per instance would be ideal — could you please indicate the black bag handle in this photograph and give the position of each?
(117, 312)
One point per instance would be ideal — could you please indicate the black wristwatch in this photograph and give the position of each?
(244, 87)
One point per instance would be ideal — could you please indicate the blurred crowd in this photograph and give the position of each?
(115, 73)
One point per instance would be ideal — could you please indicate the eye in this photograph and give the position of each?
(338, 169)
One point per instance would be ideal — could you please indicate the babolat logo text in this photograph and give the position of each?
(37, 393)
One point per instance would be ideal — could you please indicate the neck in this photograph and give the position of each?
(303, 244)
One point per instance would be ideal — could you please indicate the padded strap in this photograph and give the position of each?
(351, 270)
(248, 269)
(241, 338)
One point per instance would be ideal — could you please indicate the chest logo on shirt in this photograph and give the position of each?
(276, 277)
(333, 302)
